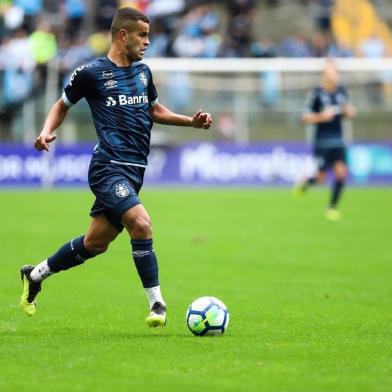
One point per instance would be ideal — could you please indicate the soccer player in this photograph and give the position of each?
(327, 106)
(124, 104)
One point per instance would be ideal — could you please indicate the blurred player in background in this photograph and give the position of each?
(124, 105)
(328, 105)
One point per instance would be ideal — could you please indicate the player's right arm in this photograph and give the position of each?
(75, 90)
(315, 113)
(56, 116)
(316, 118)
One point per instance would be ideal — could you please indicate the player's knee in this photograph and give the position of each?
(340, 172)
(141, 229)
(321, 177)
(95, 246)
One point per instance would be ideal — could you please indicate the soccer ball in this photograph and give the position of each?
(207, 316)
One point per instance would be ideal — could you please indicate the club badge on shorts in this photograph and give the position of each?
(122, 190)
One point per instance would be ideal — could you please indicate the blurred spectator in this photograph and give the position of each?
(12, 17)
(231, 48)
(339, 50)
(17, 62)
(323, 13)
(240, 36)
(319, 45)
(75, 11)
(99, 42)
(43, 46)
(373, 47)
(105, 10)
(240, 7)
(198, 35)
(263, 48)
(43, 43)
(75, 52)
(31, 10)
(159, 41)
(295, 46)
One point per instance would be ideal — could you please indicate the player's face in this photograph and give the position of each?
(331, 76)
(137, 41)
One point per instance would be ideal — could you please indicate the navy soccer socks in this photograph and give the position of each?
(146, 262)
(70, 255)
(147, 267)
(337, 189)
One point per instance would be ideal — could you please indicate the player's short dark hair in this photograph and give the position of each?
(126, 18)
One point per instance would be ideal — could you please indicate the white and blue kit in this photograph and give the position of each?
(120, 99)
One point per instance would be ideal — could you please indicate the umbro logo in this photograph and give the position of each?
(111, 83)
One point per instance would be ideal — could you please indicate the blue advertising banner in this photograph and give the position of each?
(256, 164)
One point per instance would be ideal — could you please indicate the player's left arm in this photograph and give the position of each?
(162, 115)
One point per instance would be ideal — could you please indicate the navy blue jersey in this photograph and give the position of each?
(119, 100)
(328, 134)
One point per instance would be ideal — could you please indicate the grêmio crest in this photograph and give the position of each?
(122, 190)
(143, 78)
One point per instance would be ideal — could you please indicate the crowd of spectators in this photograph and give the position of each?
(36, 32)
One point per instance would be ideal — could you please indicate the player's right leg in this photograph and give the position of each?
(75, 252)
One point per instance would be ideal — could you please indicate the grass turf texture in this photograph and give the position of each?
(310, 300)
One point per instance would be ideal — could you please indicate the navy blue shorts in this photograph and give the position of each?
(327, 157)
(116, 188)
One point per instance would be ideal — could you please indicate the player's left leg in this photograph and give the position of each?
(340, 172)
(138, 224)
(75, 252)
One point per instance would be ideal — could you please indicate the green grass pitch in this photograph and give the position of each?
(310, 300)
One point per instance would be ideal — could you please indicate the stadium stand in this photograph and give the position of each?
(57, 36)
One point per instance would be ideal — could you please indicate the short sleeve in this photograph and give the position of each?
(344, 92)
(152, 91)
(312, 102)
(76, 89)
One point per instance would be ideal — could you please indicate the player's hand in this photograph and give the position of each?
(327, 115)
(201, 120)
(42, 141)
(350, 111)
